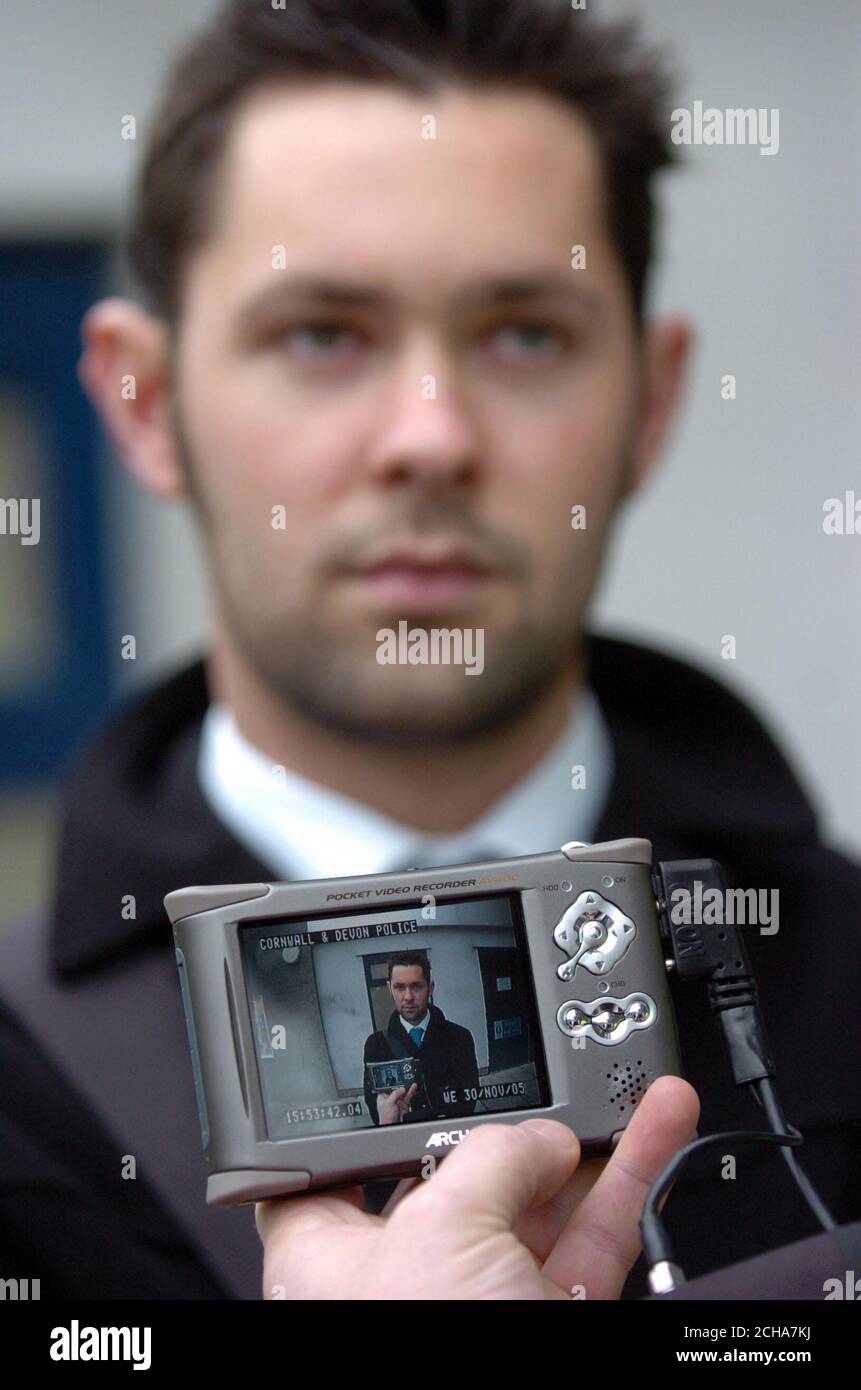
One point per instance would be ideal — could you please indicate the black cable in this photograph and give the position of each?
(766, 1097)
(715, 952)
(656, 1242)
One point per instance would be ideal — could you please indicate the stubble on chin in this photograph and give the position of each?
(337, 682)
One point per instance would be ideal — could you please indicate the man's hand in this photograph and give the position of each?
(510, 1214)
(393, 1105)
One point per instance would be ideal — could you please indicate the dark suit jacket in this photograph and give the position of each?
(695, 772)
(447, 1056)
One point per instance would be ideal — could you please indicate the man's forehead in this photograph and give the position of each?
(345, 171)
(402, 971)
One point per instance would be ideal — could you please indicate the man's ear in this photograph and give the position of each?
(125, 370)
(665, 354)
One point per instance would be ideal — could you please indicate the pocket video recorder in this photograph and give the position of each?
(343, 1029)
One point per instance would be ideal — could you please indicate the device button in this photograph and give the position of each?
(606, 1020)
(593, 932)
(571, 1017)
(610, 851)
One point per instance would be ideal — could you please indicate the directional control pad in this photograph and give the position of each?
(593, 933)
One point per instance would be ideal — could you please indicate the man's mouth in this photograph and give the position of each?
(419, 576)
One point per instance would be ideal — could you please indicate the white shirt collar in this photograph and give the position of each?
(422, 1025)
(302, 829)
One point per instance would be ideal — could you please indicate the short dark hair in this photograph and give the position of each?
(410, 958)
(620, 88)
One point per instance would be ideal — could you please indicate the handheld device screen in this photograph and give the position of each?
(417, 1012)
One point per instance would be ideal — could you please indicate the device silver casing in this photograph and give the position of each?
(594, 1088)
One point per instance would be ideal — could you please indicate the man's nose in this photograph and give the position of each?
(426, 432)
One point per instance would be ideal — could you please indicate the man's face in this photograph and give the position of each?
(410, 992)
(405, 446)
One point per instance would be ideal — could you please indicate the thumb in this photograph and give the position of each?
(499, 1171)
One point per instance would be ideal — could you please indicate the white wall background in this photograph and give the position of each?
(761, 252)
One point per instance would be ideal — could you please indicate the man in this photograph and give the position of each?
(394, 329)
(418, 1028)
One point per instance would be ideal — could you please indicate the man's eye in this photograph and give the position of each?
(317, 340)
(531, 340)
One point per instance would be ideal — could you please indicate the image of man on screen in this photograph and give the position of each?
(420, 1031)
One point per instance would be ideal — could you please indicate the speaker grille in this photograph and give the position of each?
(626, 1083)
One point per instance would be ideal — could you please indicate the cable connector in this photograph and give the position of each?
(713, 950)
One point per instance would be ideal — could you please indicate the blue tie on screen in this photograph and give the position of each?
(417, 1034)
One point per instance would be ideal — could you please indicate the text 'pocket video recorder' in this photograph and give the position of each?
(343, 1029)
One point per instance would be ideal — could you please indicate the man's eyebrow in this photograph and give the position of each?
(502, 290)
(494, 291)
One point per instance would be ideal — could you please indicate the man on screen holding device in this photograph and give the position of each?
(443, 1051)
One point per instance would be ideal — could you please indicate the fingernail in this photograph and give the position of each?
(549, 1129)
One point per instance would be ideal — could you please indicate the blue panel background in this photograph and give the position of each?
(45, 290)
